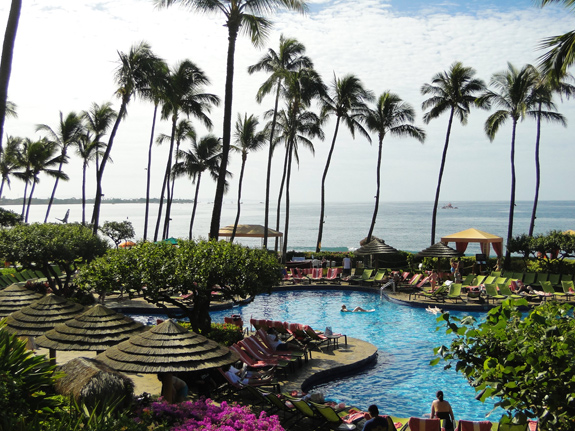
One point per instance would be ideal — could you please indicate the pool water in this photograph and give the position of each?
(401, 383)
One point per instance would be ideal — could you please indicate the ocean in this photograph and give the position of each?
(403, 225)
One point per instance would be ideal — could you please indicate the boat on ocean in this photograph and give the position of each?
(448, 207)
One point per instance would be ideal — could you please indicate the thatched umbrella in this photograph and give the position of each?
(167, 348)
(90, 381)
(375, 246)
(16, 297)
(96, 329)
(439, 250)
(41, 316)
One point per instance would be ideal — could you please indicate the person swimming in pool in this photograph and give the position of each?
(355, 310)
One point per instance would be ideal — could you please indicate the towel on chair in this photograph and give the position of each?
(474, 426)
(418, 424)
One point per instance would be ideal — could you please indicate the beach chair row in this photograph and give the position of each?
(304, 335)
(416, 424)
(308, 275)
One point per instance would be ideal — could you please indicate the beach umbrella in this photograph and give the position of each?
(167, 348)
(16, 297)
(375, 246)
(97, 329)
(439, 249)
(127, 244)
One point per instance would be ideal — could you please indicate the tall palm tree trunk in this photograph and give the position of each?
(286, 229)
(2, 187)
(55, 187)
(269, 168)
(195, 204)
(105, 157)
(170, 196)
(165, 185)
(239, 198)
(280, 195)
(507, 260)
(24, 200)
(84, 169)
(376, 209)
(149, 173)
(6, 61)
(324, 176)
(30, 201)
(441, 169)
(226, 139)
(537, 174)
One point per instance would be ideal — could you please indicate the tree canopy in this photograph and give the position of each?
(523, 360)
(39, 246)
(184, 275)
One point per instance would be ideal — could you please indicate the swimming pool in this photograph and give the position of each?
(401, 383)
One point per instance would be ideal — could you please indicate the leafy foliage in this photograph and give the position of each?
(25, 380)
(549, 250)
(38, 246)
(524, 361)
(118, 231)
(9, 218)
(162, 273)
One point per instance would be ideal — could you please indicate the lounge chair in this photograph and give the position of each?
(541, 277)
(505, 290)
(496, 273)
(501, 280)
(333, 275)
(568, 288)
(474, 426)
(249, 360)
(468, 280)
(491, 291)
(262, 339)
(490, 279)
(333, 418)
(316, 275)
(517, 276)
(238, 386)
(376, 278)
(438, 294)
(480, 279)
(423, 282)
(567, 277)
(512, 427)
(286, 276)
(306, 410)
(365, 275)
(418, 424)
(254, 349)
(529, 278)
(297, 276)
(554, 279)
(548, 288)
(280, 405)
(357, 274)
(316, 340)
(455, 292)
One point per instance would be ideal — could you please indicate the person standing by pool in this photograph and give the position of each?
(346, 266)
(433, 279)
(375, 422)
(441, 409)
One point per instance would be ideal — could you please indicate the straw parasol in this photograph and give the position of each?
(167, 348)
(90, 381)
(439, 249)
(96, 329)
(375, 246)
(16, 297)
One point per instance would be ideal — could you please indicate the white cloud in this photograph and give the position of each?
(66, 53)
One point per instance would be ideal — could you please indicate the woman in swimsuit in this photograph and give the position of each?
(442, 410)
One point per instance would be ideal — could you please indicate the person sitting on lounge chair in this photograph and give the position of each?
(374, 421)
(274, 342)
(236, 377)
(518, 287)
(355, 310)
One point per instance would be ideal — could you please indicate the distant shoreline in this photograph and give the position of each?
(76, 201)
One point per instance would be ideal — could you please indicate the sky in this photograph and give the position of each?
(67, 50)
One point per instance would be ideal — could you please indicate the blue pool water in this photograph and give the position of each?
(401, 383)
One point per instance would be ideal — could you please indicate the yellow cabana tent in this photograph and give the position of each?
(463, 238)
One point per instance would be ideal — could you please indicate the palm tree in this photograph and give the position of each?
(455, 91)
(561, 49)
(98, 120)
(514, 95)
(6, 60)
(205, 155)
(289, 58)
(36, 158)
(69, 132)
(133, 77)
(395, 117)
(158, 82)
(247, 140)
(183, 93)
(184, 131)
(9, 160)
(347, 102)
(238, 13)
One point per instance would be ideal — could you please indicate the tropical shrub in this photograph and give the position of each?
(525, 361)
(223, 333)
(26, 383)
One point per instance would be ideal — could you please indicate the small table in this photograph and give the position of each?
(333, 340)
